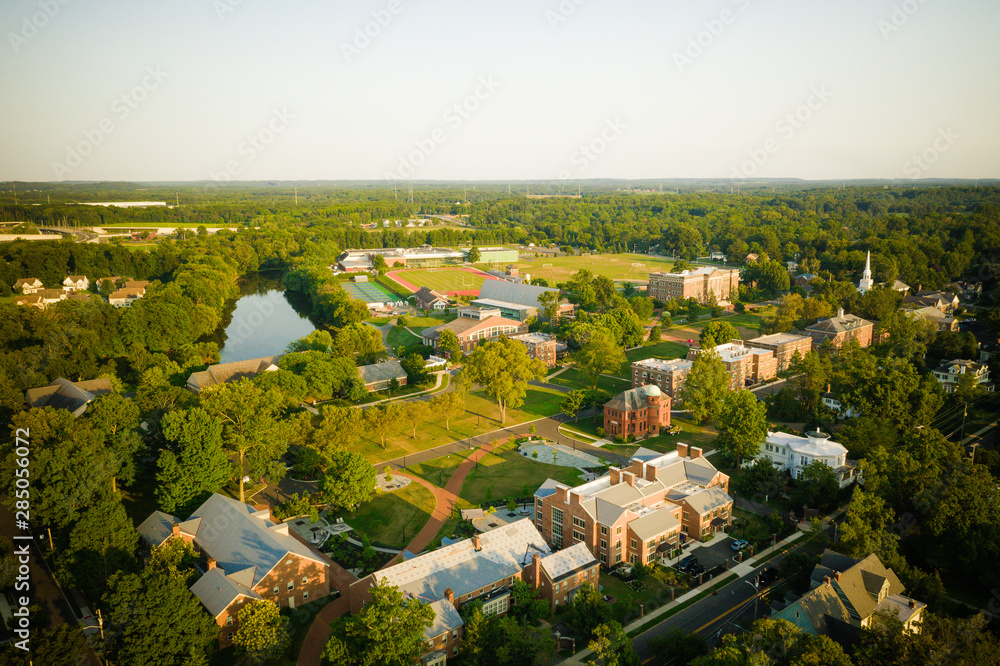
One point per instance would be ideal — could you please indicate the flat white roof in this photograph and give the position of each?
(810, 446)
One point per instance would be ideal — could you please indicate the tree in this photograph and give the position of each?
(720, 331)
(474, 255)
(548, 305)
(349, 480)
(587, 611)
(362, 343)
(154, 618)
(775, 642)
(102, 542)
(416, 412)
(263, 632)
(384, 420)
(250, 427)
(499, 640)
(448, 343)
(572, 402)
(656, 333)
(612, 646)
(816, 486)
(117, 419)
(705, 387)
(62, 645)
(642, 306)
(379, 264)
(759, 480)
(448, 406)
(866, 528)
(742, 426)
(414, 365)
(339, 428)
(70, 465)
(599, 354)
(176, 558)
(503, 368)
(528, 606)
(196, 466)
(387, 631)
(967, 388)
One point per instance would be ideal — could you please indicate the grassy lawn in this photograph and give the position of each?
(395, 286)
(404, 391)
(481, 416)
(614, 266)
(418, 324)
(505, 473)
(441, 279)
(656, 350)
(380, 321)
(691, 434)
(400, 336)
(655, 588)
(391, 520)
(575, 379)
(439, 470)
(138, 247)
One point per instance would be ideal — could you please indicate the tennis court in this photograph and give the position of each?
(369, 292)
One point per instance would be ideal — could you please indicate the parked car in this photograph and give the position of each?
(739, 544)
(696, 570)
(687, 563)
(768, 575)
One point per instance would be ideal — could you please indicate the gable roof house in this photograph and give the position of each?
(249, 557)
(844, 596)
(428, 299)
(28, 285)
(377, 376)
(230, 372)
(125, 296)
(71, 396)
(76, 283)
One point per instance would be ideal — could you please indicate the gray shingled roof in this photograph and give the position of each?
(511, 292)
(629, 400)
(64, 394)
(655, 523)
(446, 618)
(227, 372)
(216, 591)
(381, 372)
(834, 325)
(708, 499)
(560, 564)
(156, 529)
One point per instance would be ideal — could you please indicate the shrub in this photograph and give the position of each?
(600, 432)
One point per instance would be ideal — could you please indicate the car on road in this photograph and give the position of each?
(768, 575)
(687, 563)
(739, 544)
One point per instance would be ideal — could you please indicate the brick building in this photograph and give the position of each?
(639, 412)
(541, 346)
(699, 283)
(482, 568)
(640, 513)
(745, 365)
(668, 375)
(249, 558)
(470, 331)
(840, 329)
(784, 346)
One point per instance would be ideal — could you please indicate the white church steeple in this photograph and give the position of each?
(866, 283)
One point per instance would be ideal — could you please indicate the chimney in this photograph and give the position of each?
(650, 473)
(536, 570)
(211, 563)
(695, 452)
(840, 312)
(616, 475)
(561, 495)
(828, 389)
(629, 478)
(913, 603)
(826, 579)
(836, 575)
(682, 450)
(449, 594)
(175, 529)
(475, 543)
(574, 499)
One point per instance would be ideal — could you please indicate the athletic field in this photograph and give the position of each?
(369, 292)
(450, 281)
(635, 267)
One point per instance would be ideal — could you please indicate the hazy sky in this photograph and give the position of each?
(498, 89)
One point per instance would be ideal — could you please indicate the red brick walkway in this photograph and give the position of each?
(445, 498)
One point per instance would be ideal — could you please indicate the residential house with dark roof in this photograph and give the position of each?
(949, 373)
(230, 372)
(846, 594)
(840, 329)
(71, 396)
(639, 412)
(378, 376)
(428, 299)
(470, 331)
(942, 300)
(249, 557)
(640, 513)
(482, 568)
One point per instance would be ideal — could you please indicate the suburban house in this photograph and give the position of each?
(249, 557)
(937, 318)
(230, 372)
(541, 346)
(745, 365)
(638, 412)
(428, 299)
(71, 396)
(482, 568)
(840, 329)
(76, 283)
(28, 285)
(378, 376)
(33, 299)
(125, 296)
(699, 283)
(470, 331)
(949, 372)
(640, 513)
(668, 375)
(805, 279)
(942, 300)
(136, 284)
(792, 453)
(844, 596)
(833, 402)
(472, 312)
(517, 301)
(784, 346)
(113, 279)
(900, 286)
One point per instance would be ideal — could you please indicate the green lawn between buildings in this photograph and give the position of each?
(400, 336)
(391, 520)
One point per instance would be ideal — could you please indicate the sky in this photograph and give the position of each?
(146, 90)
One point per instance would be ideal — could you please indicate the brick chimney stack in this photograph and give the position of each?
(913, 603)
(536, 570)
(836, 575)
(476, 543)
(211, 563)
(682, 450)
(695, 452)
(449, 594)
(175, 529)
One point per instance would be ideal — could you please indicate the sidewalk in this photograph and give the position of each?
(741, 570)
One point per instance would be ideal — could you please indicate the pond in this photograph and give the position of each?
(262, 321)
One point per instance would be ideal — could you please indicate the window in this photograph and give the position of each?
(633, 544)
(618, 545)
(604, 558)
(229, 621)
(454, 634)
(291, 585)
(604, 529)
(579, 522)
(578, 535)
(305, 595)
(618, 530)
(650, 557)
(604, 544)
(230, 635)
(652, 544)
(305, 579)
(275, 590)
(618, 557)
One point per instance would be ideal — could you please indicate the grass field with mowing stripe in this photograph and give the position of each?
(442, 279)
(614, 266)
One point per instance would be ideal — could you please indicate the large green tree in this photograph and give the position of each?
(612, 646)
(349, 480)
(503, 368)
(720, 331)
(101, 543)
(117, 419)
(263, 632)
(387, 631)
(705, 386)
(195, 464)
(599, 354)
(742, 426)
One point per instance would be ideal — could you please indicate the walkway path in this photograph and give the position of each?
(437, 385)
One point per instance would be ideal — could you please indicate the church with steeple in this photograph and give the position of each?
(866, 283)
